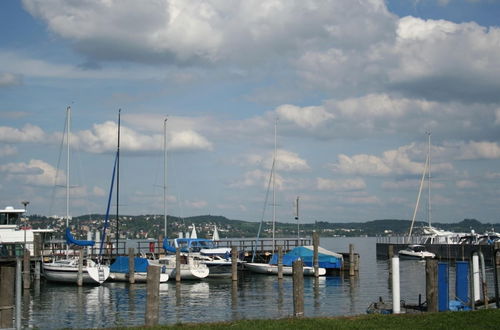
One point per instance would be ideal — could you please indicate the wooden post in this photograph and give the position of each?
(351, 260)
(160, 244)
(19, 270)
(26, 269)
(131, 266)
(153, 295)
(280, 262)
(298, 288)
(431, 280)
(234, 263)
(496, 271)
(37, 249)
(177, 265)
(79, 278)
(7, 285)
(390, 252)
(315, 253)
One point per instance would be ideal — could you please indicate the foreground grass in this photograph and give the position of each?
(482, 319)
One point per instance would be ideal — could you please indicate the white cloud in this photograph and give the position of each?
(196, 204)
(209, 31)
(466, 184)
(305, 117)
(478, 150)
(9, 79)
(287, 161)
(103, 138)
(29, 133)
(338, 185)
(36, 172)
(98, 191)
(392, 162)
(7, 150)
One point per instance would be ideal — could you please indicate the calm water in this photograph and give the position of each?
(52, 306)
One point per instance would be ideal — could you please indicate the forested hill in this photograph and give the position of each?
(151, 226)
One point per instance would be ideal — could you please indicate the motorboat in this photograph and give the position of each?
(416, 251)
(191, 269)
(119, 270)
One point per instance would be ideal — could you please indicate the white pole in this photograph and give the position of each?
(165, 175)
(396, 295)
(68, 142)
(429, 182)
(475, 276)
(274, 185)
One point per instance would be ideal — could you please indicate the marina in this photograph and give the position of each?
(49, 305)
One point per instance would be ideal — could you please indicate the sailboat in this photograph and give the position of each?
(190, 268)
(67, 269)
(417, 251)
(268, 268)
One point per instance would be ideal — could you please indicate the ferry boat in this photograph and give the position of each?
(14, 229)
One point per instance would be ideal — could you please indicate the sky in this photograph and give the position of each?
(352, 88)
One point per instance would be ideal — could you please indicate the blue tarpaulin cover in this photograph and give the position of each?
(121, 265)
(71, 240)
(326, 259)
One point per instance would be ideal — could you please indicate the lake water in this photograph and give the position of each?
(51, 306)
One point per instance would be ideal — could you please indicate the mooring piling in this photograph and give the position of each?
(7, 285)
(298, 288)
(79, 277)
(177, 265)
(315, 253)
(280, 262)
(26, 269)
(131, 266)
(234, 264)
(431, 285)
(153, 295)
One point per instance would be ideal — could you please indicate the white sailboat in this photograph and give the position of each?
(67, 269)
(190, 268)
(415, 251)
(266, 268)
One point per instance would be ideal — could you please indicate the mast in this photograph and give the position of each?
(68, 124)
(68, 140)
(118, 183)
(297, 216)
(429, 179)
(165, 174)
(274, 184)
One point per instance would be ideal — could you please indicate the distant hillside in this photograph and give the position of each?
(151, 226)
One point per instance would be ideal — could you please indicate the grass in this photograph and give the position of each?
(480, 319)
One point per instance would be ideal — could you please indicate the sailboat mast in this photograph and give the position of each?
(118, 182)
(68, 124)
(165, 175)
(429, 179)
(297, 216)
(274, 185)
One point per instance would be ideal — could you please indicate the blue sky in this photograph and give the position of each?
(354, 85)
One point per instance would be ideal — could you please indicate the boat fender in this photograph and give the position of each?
(152, 247)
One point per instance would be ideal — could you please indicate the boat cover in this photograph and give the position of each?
(327, 259)
(71, 240)
(121, 265)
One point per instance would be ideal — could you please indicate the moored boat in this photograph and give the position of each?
(416, 251)
(119, 270)
(269, 269)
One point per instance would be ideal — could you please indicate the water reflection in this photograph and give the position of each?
(252, 297)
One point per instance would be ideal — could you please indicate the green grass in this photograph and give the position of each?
(481, 319)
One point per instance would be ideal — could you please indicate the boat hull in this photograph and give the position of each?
(139, 277)
(55, 272)
(273, 269)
